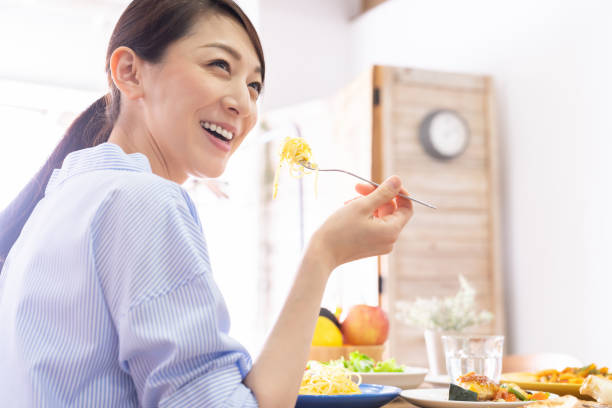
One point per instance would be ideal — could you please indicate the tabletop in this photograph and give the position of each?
(399, 402)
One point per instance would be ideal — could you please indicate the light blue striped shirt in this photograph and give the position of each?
(107, 297)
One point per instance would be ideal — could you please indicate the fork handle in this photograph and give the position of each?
(377, 185)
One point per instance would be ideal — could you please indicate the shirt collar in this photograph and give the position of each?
(105, 156)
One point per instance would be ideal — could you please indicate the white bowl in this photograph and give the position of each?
(411, 377)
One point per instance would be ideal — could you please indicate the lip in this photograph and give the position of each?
(221, 145)
(225, 126)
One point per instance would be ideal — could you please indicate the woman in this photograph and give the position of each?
(106, 294)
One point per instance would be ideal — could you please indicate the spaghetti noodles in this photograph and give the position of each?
(293, 151)
(320, 379)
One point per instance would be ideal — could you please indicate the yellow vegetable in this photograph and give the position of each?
(326, 333)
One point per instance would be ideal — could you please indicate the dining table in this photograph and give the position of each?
(400, 402)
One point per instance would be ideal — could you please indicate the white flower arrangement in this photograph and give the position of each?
(448, 314)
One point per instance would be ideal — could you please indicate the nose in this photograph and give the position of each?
(238, 100)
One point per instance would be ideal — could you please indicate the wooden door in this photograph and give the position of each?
(460, 237)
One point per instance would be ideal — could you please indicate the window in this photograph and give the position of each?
(33, 119)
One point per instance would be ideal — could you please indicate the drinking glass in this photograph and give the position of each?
(481, 354)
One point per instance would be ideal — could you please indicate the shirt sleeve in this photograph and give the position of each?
(171, 320)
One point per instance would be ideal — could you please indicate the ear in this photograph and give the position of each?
(126, 69)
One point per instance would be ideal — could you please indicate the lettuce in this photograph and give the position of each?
(360, 363)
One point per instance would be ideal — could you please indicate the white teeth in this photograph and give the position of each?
(216, 128)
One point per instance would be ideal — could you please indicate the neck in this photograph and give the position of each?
(137, 139)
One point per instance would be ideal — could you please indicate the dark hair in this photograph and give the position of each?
(148, 27)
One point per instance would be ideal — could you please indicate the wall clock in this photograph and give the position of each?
(444, 134)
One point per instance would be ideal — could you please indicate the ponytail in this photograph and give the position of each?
(91, 128)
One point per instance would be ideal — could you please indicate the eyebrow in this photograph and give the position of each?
(230, 51)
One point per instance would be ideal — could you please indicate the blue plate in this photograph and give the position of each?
(372, 396)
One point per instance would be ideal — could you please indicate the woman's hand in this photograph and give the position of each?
(365, 226)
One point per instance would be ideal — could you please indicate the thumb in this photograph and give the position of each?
(384, 193)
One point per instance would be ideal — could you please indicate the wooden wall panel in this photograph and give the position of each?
(461, 236)
(370, 4)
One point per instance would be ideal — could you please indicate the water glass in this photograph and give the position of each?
(481, 354)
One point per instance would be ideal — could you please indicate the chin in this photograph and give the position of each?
(211, 171)
(215, 174)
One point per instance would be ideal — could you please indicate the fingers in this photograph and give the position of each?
(387, 208)
(364, 189)
(405, 206)
(385, 202)
(404, 202)
(402, 213)
(383, 194)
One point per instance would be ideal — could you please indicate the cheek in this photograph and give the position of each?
(188, 94)
(251, 121)
(247, 126)
(183, 93)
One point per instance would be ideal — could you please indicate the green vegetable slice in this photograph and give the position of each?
(518, 393)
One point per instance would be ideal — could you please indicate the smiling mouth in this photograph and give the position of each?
(217, 131)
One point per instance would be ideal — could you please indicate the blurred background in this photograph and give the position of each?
(549, 63)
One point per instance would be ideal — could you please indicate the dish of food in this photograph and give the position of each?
(474, 387)
(411, 377)
(572, 375)
(564, 382)
(568, 401)
(529, 381)
(322, 379)
(385, 372)
(371, 396)
(361, 363)
(598, 388)
(438, 398)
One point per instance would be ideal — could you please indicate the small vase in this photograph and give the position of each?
(435, 351)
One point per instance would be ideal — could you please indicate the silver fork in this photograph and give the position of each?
(308, 166)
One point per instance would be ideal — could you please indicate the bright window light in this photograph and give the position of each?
(33, 119)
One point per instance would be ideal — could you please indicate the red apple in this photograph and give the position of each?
(365, 326)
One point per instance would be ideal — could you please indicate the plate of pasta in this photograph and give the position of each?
(328, 386)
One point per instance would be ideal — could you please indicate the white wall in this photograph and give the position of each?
(551, 64)
(306, 44)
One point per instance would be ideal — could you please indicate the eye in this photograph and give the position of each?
(256, 86)
(224, 65)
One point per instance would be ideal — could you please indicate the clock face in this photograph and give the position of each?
(444, 134)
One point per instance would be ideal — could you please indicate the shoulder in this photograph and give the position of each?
(138, 195)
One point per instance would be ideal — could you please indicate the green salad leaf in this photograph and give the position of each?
(360, 363)
(388, 366)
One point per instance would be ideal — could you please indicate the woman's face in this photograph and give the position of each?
(200, 100)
